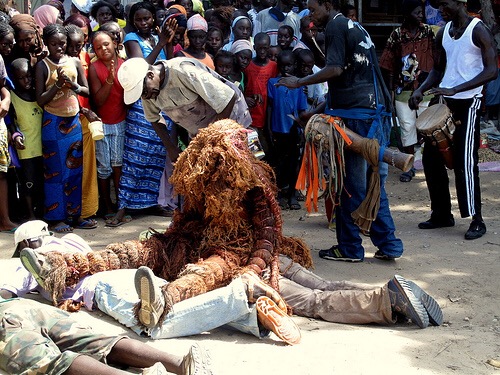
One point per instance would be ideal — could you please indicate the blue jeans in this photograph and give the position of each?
(115, 295)
(355, 186)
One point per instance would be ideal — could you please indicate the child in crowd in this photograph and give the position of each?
(273, 53)
(224, 65)
(261, 69)
(308, 41)
(316, 93)
(242, 50)
(197, 29)
(285, 37)
(241, 28)
(108, 93)
(214, 40)
(90, 194)
(26, 115)
(284, 102)
(59, 79)
(118, 35)
(5, 223)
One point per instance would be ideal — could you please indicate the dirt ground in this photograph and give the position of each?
(462, 275)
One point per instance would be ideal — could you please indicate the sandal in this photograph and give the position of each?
(276, 320)
(283, 202)
(255, 288)
(407, 176)
(294, 204)
(86, 224)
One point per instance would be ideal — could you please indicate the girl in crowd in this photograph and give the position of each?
(83, 23)
(242, 50)
(29, 43)
(46, 15)
(117, 34)
(108, 93)
(197, 29)
(90, 194)
(144, 154)
(59, 79)
(241, 28)
(103, 12)
(214, 40)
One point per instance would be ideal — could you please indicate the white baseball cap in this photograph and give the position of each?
(131, 76)
(31, 229)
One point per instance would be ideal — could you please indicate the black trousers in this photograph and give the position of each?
(465, 160)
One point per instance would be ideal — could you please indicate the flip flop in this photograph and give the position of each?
(62, 228)
(87, 224)
(113, 223)
(110, 216)
(277, 321)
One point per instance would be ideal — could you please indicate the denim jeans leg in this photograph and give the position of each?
(348, 237)
(382, 229)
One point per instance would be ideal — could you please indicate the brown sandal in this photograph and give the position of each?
(276, 320)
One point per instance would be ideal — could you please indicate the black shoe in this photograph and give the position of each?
(430, 304)
(476, 230)
(334, 253)
(380, 255)
(437, 223)
(404, 302)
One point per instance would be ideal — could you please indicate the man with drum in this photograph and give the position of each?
(467, 60)
(358, 95)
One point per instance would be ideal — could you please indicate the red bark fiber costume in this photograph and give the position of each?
(230, 223)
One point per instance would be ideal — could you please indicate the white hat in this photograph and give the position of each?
(82, 5)
(131, 76)
(31, 229)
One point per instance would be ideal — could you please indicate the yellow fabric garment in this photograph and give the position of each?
(90, 194)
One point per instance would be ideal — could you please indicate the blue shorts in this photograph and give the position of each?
(109, 150)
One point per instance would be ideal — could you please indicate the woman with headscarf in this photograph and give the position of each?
(241, 28)
(197, 29)
(47, 15)
(28, 37)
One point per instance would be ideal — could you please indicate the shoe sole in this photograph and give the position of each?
(201, 359)
(30, 262)
(431, 306)
(416, 310)
(277, 321)
(145, 288)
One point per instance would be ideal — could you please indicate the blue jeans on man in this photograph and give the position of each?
(355, 186)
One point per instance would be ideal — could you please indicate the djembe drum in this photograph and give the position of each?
(436, 125)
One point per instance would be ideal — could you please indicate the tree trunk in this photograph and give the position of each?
(489, 19)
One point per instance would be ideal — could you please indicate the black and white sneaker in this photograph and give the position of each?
(334, 253)
(431, 306)
(404, 301)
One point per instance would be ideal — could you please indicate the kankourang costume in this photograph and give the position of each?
(230, 223)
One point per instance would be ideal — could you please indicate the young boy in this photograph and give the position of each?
(260, 69)
(285, 37)
(26, 115)
(316, 93)
(273, 53)
(284, 102)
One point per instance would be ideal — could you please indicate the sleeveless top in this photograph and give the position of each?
(65, 102)
(114, 110)
(146, 47)
(463, 61)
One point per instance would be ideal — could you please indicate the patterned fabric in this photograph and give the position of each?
(63, 159)
(143, 162)
(4, 148)
(41, 339)
(402, 43)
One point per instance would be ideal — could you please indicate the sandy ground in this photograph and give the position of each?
(462, 275)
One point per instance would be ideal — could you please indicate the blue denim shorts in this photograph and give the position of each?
(109, 150)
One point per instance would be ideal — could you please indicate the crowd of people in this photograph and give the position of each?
(63, 73)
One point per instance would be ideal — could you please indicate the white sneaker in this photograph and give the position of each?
(197, 362)
(156, 369)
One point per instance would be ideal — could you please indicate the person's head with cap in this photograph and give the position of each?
(242, 50)
(413, 11)
(197, 28)
(30, 234)
(138, 78)
(82, 7)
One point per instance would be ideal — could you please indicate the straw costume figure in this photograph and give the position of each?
(230, 223)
